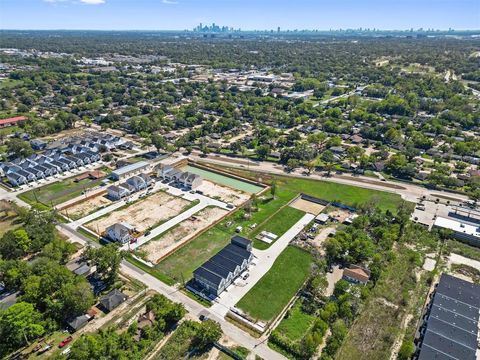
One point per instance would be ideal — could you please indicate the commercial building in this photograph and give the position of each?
(216, 274)
(461, 230)
(129, 170)
(450, 322)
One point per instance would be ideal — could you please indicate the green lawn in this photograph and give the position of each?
(58, 192)
(278, 224)
(186, 259)
(296, 324)
(289, 187)
(275, 289)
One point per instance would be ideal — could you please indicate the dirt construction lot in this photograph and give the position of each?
(186, 230)
(84, 208)
(307, 206)
(339, 214)
(223, 193)
(144, 213)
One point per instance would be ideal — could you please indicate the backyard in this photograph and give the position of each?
(296, 324)
(59, 192)
(185, 260)
(275, 289)
(277, 224)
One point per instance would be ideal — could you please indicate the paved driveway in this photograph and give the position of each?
(264, 260)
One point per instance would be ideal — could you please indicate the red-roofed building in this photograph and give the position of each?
(12, 121)
(356, 274)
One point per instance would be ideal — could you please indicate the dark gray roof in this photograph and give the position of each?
(226, 263)
(240, 241)
(209, 276)
(79, 322)
(452, 324)
(113, 299)
(237, 250)
(216, 268)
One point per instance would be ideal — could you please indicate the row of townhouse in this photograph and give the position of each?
(42, 166)
(133, 184)
(182, 178)
(221, 270)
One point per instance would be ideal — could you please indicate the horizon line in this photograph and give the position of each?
(251, 30)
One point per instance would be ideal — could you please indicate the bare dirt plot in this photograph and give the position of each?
(322, 236)
(186, 230)
(144, 213)
(84, 208)
(307, 206)
(223, 193)
(339, 214)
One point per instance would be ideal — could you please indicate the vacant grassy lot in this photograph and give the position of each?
(278, 224)
(288, 187)
(186, 259)
(457, 247)
(275, 289)
(296, 324)
(58, 192)
(375, 330)
(8, 220)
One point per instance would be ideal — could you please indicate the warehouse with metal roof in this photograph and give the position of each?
(451, 322)
(129, 170)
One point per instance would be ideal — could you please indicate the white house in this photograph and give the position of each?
(120, 232)
(117, 192)
(137, 182)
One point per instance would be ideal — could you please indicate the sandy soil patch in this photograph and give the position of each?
(307, 206)
(143, 214)
(321, 237)
(84, 208)
(429, 264)
(186, 230)
(339, 214)
(223, 193)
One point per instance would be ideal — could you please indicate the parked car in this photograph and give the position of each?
(65, 342)
(245, 277)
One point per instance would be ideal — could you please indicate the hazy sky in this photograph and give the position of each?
(246, 14)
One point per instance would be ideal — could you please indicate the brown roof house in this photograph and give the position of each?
(356, 274)
(146, 320)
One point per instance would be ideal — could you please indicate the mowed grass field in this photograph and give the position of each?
(58, 192)
(275, 289)
(277, 224)
(289, 187)
(190, 256)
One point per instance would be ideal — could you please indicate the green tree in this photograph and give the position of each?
(14, 244)
(159, 142)
(107, 260)
(262, 151)
(208, 332)
(19, 148)
(19, 325)
(273, 188)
